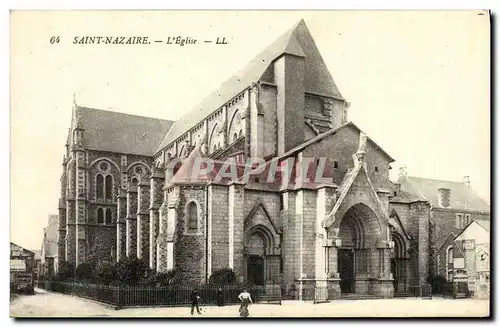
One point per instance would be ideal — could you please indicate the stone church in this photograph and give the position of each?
(356, 233)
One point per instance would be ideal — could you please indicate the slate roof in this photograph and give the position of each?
(485, 223)
(111, 131)
(462, 197)
(323, 135)
(296, 41)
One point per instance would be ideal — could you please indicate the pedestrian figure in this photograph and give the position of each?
(220, 297)
(245, 299)
(195, 300)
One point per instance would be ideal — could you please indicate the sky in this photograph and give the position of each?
(418, 83)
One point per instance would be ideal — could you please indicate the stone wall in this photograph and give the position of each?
(218, 212)
(190, 248)
(340, 147)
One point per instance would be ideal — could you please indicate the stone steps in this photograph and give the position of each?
(359, 297)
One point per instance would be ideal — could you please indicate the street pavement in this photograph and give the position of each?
(45, 304)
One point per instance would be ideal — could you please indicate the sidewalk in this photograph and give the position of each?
(46, 304)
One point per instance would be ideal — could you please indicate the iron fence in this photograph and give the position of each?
(455, 290)
(144, 295)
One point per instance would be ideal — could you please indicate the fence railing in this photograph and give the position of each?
(143, 295)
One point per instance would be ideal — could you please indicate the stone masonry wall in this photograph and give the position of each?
(218, 207)
(190, 248)
(306, 219)
(291, 235)
(143, 202)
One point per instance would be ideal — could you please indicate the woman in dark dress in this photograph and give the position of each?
(220, 297)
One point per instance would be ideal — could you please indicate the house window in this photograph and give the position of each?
(281, 201)
(100, 216)
(395, 193)
(109, 187)
(99, 186)
(467, 219)
(449, 255)
(192, 215)
(459, 221)
(108, 216)
(335, 164)
(376, 169)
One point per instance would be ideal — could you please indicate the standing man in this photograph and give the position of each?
(195, 300)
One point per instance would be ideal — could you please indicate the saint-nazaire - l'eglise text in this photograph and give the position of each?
(179, 40)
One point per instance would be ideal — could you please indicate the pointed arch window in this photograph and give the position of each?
(109, 187)
(109, 219)
(241, 133)
(192, 217)
(99, 186)
(235, 137)
(100, 216)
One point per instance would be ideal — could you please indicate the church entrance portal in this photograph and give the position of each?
(399, 264)
(255, 270)
(346, 270)
(360, 258)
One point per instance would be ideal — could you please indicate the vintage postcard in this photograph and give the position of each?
(250, 164)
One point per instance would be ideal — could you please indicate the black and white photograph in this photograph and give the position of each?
(250, 164)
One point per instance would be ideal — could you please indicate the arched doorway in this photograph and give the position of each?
(399, 263)
(255, 259)
(359, 231)
(263, 258)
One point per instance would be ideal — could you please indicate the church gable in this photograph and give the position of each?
(296, 42)
(395, 222)
(356, 188)
(338, 146)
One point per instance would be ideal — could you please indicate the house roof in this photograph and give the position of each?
(22, 251)
(452, 236)
(296, 41)
(485, 224)
(462, 197)
(111, 131)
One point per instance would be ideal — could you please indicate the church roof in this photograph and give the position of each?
(322, 136)
(111, 131)
(462, 197)
(296, 41)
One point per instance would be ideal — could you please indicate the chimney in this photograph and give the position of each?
(402, 172)
(444, 197)
(467, 181)
(397, 188)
